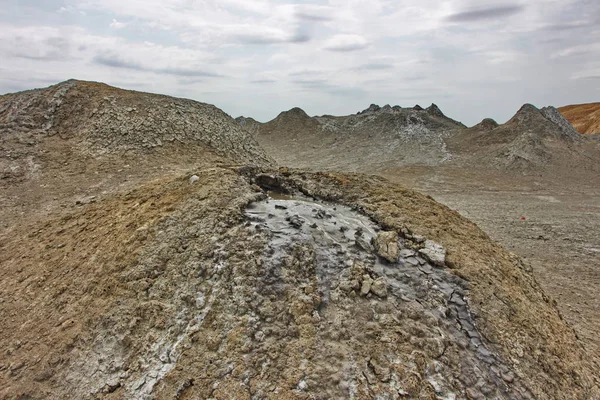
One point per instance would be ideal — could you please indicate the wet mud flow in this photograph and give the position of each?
(343, 238)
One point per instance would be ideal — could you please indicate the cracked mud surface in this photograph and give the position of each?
(345, 264)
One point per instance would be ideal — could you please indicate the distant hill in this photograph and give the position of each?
(381, 138)
(584, 117)
(371, 138)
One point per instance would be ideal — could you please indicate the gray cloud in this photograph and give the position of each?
(264, 38)
(374, 66)
(486, 13)
(589, 77)
(346, 43)
(311, 83)
(307, 72)
(187, 72)
(264, 81)
(114, 61)
(300, 37)
(313, 13)
(324, 86)
(346, 91)
(49, 49)
(568, 26)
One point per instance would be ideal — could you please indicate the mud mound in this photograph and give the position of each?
(338, 286)
(545, 122)
(532, 140)
(75, 142)
(584, 117)
(248, 124)
(93, 119)
(524, 152)
(372, 138)
(487, 124)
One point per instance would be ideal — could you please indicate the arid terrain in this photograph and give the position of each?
(530, 183)
(152, 247)
(584, 117)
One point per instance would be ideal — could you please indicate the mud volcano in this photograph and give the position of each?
(373, 286)
(345, 287)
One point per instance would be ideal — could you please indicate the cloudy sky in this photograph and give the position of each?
(256, 58)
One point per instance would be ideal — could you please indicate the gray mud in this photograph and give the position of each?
(342, 238)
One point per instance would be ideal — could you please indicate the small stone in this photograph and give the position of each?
(280, 207)
(508, 377)
(434, 252)
(404, 253)
(418, 238)
(296, 221)
(320, 214)
(386, 245)
(302, 385)
(366, 285)
(379, 287)
(362, 243)
(483, 351)
(426, 269)
(412, 261)
(194, 179)
(457, 299)
(474, 394)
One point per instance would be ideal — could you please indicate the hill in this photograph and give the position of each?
(75, 140)
(372, 138)
(584, 117)
(386, 138)
(532, 140)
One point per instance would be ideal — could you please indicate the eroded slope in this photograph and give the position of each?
(179, 290)
(584, 117)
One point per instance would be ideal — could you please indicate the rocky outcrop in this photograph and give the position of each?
(248, 124)
(386, 245)
(546, 122)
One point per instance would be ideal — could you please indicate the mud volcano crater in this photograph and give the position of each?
(389, 316)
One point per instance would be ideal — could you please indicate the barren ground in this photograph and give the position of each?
(558, 237)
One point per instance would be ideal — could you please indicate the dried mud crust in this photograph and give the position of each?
(87, 120)
(164, 291)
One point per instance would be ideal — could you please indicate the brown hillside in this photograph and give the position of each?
(584, 117)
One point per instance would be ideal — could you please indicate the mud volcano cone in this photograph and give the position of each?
(345, 287)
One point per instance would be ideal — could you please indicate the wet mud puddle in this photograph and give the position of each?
(342, 238)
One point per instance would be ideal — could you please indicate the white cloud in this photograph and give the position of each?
(346, 43)
(117, 25)
(257, 57)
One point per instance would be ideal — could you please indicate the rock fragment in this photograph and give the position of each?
(386, 245)
(434, 252)
(193, 179)
(366, 285)
(295, 221)
(379, 287)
